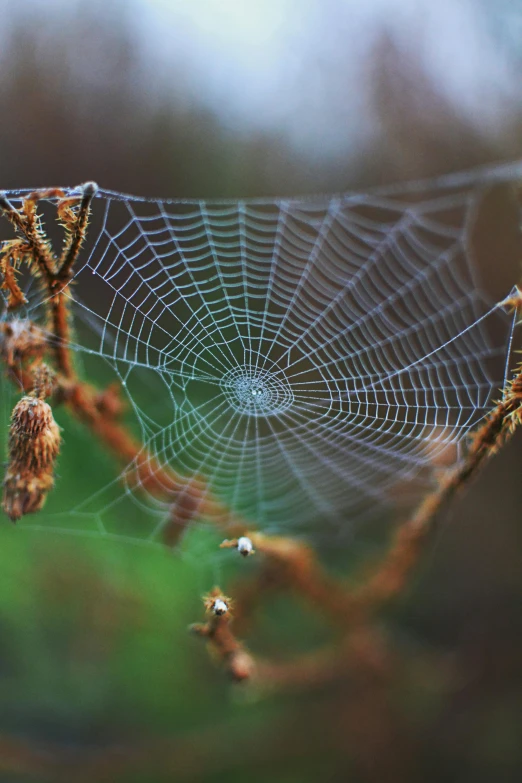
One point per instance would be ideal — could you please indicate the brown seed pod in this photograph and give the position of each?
(34, 444)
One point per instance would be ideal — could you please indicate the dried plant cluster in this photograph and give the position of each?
(40, 362)
(34, 444)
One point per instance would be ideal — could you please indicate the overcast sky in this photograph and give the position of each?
(302, 65)
(301, 68)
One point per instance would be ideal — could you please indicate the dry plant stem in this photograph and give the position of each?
(292, 564)
(186, 508)
(25, 222)
(58, 284)
(77, 229)
(82, 399)
(221, 640)
(61, 329)
(84, 402)
(55, 275)
(389, 579)
(144, 470)
(16, 296)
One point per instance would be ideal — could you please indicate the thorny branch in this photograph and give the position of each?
(24, 346)
(290, 564)
(32, 353)
(222, 642)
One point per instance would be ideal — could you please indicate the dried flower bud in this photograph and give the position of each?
(34, 444)
(219, 607)
(245, 546)
(222, 643)
(216, 603)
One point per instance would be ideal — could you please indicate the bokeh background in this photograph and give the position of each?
(265, 97)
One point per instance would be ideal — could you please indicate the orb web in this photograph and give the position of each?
(254, 392)
(313, 359)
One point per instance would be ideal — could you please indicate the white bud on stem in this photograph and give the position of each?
(219, 607)
(245, 546)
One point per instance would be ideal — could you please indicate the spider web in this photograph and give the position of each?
(315, 360)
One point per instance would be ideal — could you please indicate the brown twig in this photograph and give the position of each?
(16, 297)
(390, 577)
(75, 225)
(54, 274)
(186, 496)
(221, 640)
(26, 223)
(287, 563)
(290, 564)
(144, 472)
